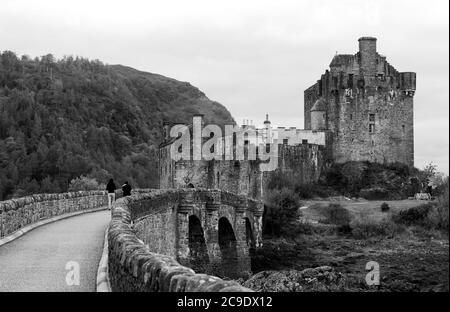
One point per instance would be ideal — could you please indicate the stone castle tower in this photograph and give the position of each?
(366, 105)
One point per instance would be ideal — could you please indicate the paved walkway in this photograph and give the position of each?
(37, 260)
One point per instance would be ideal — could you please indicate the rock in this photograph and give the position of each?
(322, 278)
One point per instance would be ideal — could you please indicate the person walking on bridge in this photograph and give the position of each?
(111, 188)
(126, 189)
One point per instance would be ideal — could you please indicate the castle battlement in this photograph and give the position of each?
(366, 104)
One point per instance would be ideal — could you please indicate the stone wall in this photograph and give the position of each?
(17, 213)
(137, 264)
(244, 177)
(369, 107)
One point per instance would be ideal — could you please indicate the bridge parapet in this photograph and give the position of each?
(158, 239)
(20, 212)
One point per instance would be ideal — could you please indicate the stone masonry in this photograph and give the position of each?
(17, 213)
(367, 107)
(146, 250)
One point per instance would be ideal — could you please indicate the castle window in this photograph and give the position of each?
(403, 129)
(268, 148)
(285, 141)
(180, 148)
(335, 82)
(304, 141)
(372, 117)
(350, 81)
(351, 116)
(371, 128)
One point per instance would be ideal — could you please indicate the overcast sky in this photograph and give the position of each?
(254, 57)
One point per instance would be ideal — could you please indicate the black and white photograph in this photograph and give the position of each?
(245, 150)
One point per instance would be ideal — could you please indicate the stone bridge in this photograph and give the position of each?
(164, 236)
(156, 240)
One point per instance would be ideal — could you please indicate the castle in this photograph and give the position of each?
(359, 110)
(366, 105)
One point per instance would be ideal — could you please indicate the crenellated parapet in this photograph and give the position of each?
(158, 240)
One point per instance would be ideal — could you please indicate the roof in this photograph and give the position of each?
(341, 59)
(320, 106)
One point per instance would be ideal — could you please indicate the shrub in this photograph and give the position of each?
(83, 184)
(414, 216)
(374, 193)
(305, 191)
(336, 214)
(309, 190)
(385, 207)
(438, 216)
(365, 228)
(281, 213)
(276, 254)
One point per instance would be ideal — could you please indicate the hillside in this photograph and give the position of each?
(64, 118)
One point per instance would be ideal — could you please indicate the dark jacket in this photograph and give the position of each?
(111, 187)
(126, 189)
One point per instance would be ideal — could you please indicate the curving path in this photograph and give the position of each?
(37, 260)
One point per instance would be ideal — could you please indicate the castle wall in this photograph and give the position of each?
(244, 177)
(369, 107)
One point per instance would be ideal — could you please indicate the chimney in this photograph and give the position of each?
(368, 56)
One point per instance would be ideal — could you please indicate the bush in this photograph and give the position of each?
(276, 254)
(365, 228)
(374, 193)
(336, 214)
(414, 216)
(385, 207)
(438, 216)
(83, 184)
(305, 191)
(281, 213)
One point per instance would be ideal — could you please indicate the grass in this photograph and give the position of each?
(359, 209)
(412, 257)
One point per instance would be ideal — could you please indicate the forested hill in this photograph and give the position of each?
(61, 119)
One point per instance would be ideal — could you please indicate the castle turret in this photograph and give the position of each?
(318, 115)
(368, 54)
(267, 133)
(408, 82)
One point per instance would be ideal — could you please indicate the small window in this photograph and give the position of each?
(350, 81)
(268, 148)
(335, 82)
(372, 117)
(180, 148)
(403, 129)
(285, 141)
(372, 128)
(304, 141)
(351, 116)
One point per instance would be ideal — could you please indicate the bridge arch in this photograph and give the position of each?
(249, 235)
(198, 252)
(228, 247)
